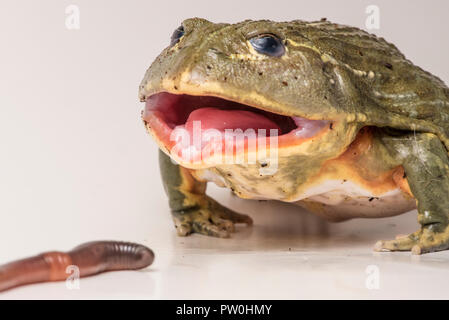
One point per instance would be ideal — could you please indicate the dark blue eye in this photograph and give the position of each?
(268, 44)
(177, 34)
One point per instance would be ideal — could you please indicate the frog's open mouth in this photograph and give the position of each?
(168, 116)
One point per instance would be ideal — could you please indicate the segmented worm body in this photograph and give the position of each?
(91, 258)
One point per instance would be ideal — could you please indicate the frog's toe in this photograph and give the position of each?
(209, 218)
(430, 241)
(420, 242)
(182, 225)
(427, 247)
(224, 224)
(401, 243)
(228, 214)
(203, 223)
(225, 219)
(211, 229)
(235, 217)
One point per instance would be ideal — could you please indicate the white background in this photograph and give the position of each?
(77, 165)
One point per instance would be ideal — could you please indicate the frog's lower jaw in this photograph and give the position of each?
(175, 121)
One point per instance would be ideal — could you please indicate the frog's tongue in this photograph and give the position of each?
(213, 118)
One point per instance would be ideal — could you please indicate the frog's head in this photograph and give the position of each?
(253, 74)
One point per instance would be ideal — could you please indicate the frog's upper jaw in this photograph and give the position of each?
(196, 130)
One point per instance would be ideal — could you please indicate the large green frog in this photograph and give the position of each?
(323, 115)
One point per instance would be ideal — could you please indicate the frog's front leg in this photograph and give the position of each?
(192, 209)
(426, 165)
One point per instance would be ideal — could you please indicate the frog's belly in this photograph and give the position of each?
(336, 201)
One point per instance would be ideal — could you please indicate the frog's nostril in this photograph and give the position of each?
(214, 53)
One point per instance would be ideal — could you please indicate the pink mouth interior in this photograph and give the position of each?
(219, 119)
(215, 113)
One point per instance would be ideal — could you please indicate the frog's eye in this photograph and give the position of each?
(268, 44)
(177, 34)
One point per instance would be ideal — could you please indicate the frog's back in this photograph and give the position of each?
(390, 89)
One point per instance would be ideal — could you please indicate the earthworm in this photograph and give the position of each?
(91, 258)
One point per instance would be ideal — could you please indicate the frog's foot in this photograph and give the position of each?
(209, 218)
(422, 241)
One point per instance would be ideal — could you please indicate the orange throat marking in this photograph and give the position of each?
(360, 165)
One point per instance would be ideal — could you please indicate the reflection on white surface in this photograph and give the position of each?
(287, 254)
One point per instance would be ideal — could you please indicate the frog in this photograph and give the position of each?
(359, 131)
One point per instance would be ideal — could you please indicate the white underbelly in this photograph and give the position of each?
(343, 204)
(338, 200)
(335, 200)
